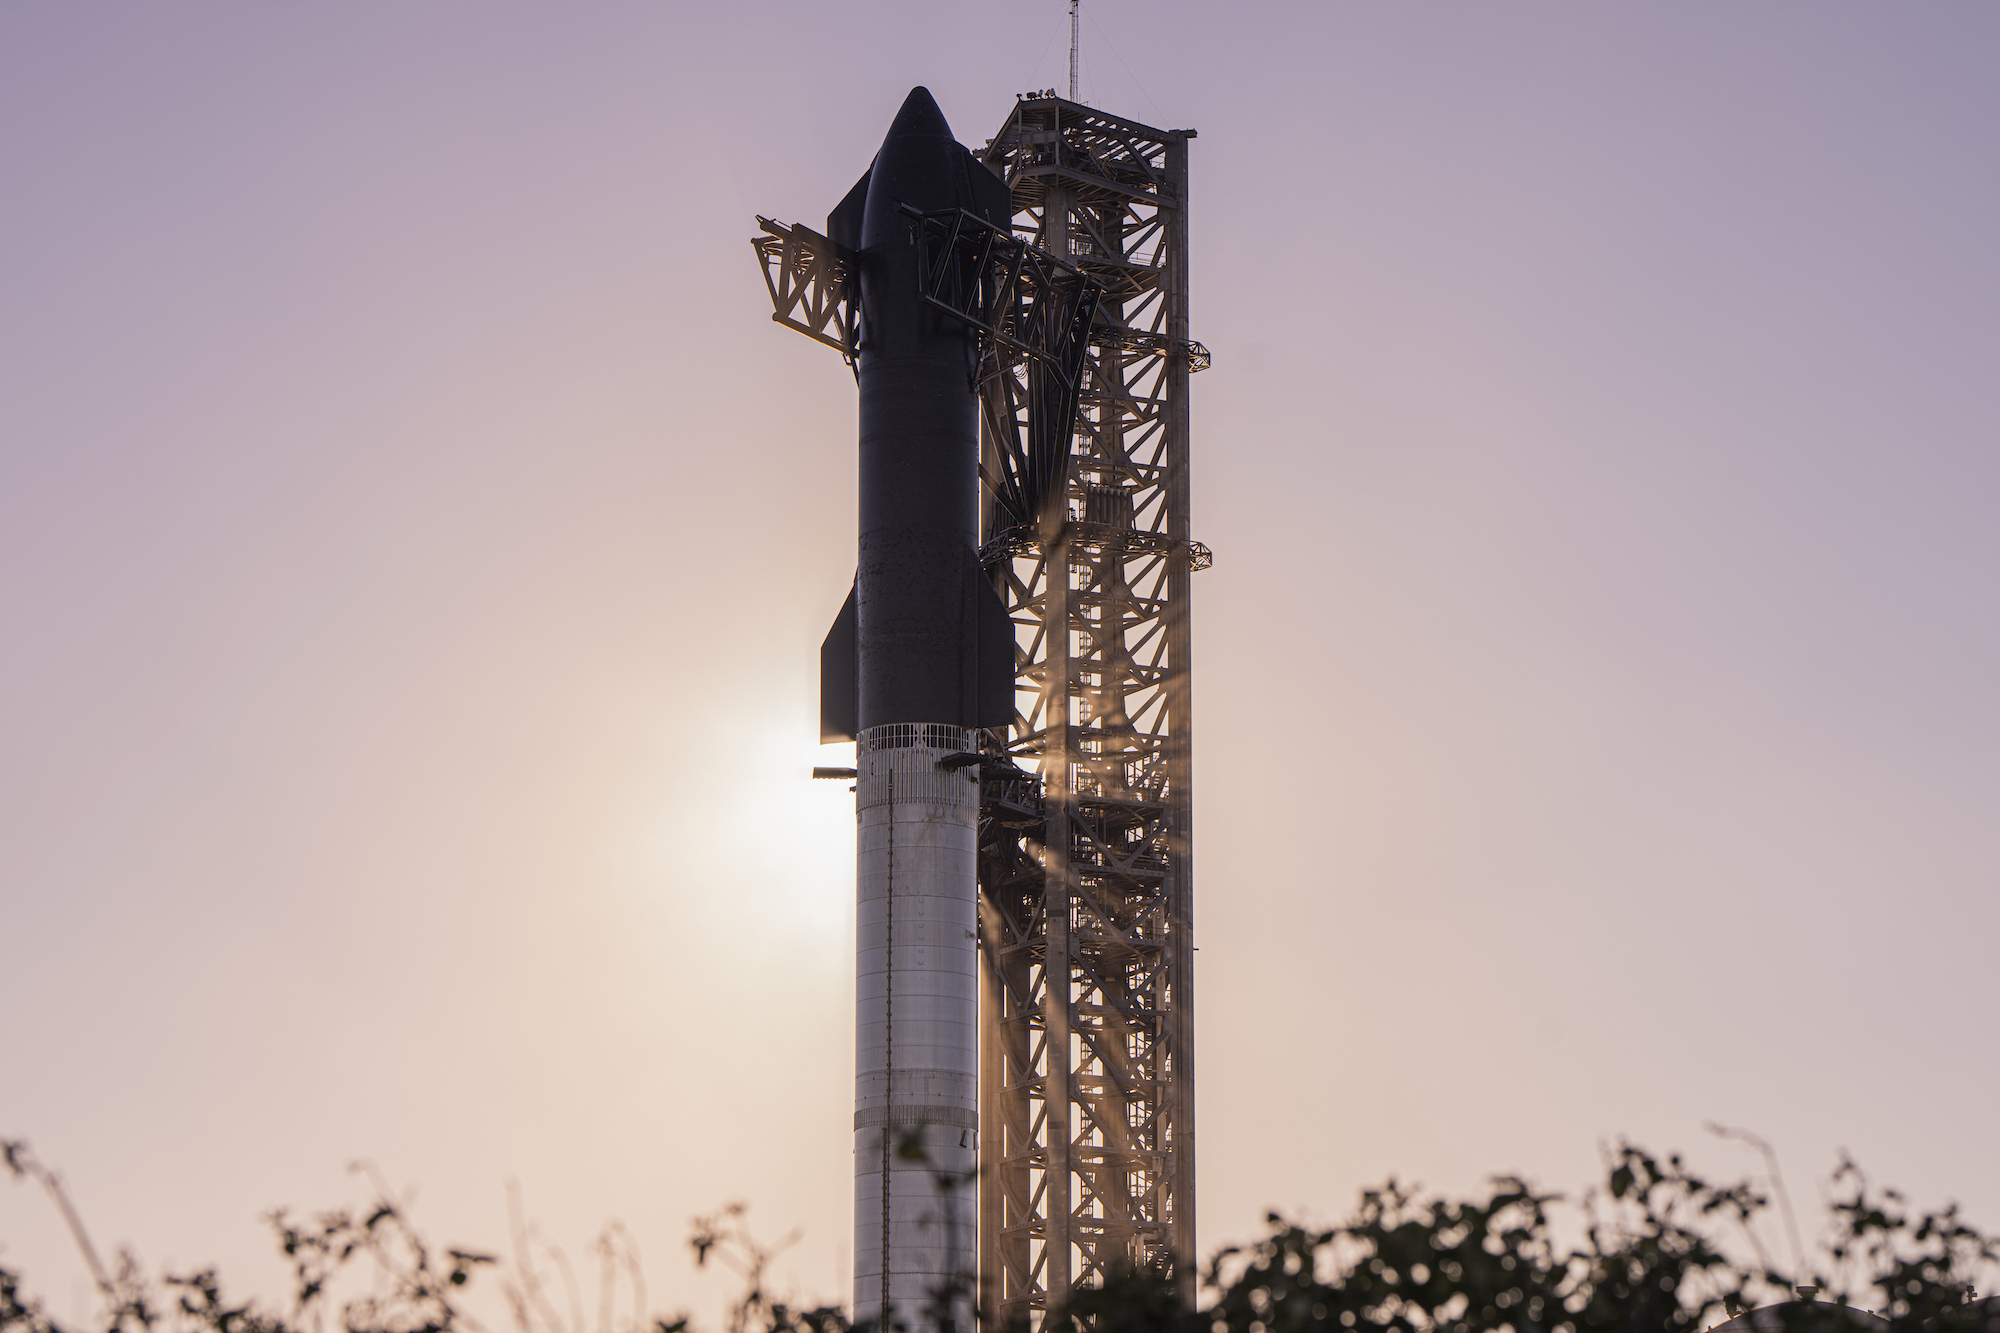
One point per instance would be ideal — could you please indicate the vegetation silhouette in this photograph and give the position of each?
(1654, 1249)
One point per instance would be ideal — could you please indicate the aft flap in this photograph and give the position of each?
(839, 679)
(996, 657)
(843, 224)
(989, 196)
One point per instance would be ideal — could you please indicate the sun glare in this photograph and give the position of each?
(742, 813)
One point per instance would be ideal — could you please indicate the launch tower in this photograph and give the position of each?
(1086, 874)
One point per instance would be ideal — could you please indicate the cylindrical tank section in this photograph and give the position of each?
(916, 1090)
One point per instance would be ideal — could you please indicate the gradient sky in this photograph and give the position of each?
(415, 542)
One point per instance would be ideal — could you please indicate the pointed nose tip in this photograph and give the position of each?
(920, 116)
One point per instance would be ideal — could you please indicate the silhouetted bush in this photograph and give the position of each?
(1655, 1249)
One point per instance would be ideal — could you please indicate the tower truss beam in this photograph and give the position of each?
(812, 283)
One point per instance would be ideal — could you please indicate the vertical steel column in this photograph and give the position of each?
(1057, 772)
(1180, 738)
(1057, 1091)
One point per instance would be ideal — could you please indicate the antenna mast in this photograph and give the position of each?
(1074, 6)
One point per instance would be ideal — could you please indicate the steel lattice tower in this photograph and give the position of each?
(1086, 868)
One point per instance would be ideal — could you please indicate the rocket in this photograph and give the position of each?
(919, 662)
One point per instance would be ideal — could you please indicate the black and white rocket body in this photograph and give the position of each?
(918, 662)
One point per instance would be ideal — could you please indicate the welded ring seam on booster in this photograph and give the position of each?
(956, 1116)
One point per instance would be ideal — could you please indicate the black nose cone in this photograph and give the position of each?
(918, 165)
(920, 118)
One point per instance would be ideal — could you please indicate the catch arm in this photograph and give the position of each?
(813, 284)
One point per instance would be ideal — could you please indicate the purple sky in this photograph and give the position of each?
(415, 542)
